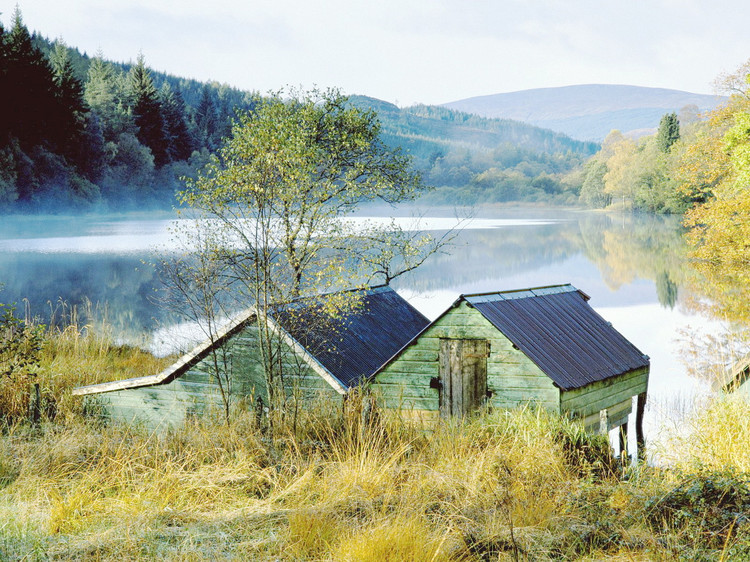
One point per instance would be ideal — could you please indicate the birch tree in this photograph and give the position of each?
(277, 197)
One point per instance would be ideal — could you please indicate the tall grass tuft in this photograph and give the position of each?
(717, 437)
(354, 483)
(77, 349)
(351, 489)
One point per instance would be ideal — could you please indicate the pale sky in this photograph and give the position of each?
(406, 51)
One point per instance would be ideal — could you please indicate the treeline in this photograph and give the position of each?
(77, 131)
(652, 173)
(699, 167)
(471, 159)
(83, 132)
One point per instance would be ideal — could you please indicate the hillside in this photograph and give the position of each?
(471, 158)
(587, 112)
(82, 132)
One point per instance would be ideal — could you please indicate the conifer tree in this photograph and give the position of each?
(71, 107)
(147, 111)
(180, 143)
(206, 119)
(105, 95)
(668, 133)
(29, 97)
(3, 83)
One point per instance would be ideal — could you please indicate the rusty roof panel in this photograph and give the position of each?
(558, 330)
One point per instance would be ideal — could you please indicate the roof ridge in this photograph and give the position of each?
(520, 293)
(562, 334)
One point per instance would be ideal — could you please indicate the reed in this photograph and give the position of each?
(353, 483)
(717, 437)
(77, 349)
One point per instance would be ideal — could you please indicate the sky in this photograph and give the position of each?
(410, 51)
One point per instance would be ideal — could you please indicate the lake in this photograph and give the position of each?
(100, 269)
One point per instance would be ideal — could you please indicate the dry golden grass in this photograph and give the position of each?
(378, 493)
(717, 437)
(495, 488)
(73, 355)
(504, 485)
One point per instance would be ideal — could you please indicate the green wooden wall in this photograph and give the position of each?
(196, 392)
(614, 394)
(512, 378)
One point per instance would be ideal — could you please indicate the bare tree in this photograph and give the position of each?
(199, 289)
(273, 203)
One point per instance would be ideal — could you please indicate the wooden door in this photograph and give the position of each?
(463, 375)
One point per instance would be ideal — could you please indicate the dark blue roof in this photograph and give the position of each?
(354, 345)
(558, 330)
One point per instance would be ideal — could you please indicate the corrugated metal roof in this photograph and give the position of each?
(557, 329)
(352, 347)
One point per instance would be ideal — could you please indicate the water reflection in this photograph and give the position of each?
(618, 260)
(633, 267)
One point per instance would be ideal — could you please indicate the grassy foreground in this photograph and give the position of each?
(519, 485)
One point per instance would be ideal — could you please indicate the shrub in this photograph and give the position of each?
(709, 507)
(20, 348)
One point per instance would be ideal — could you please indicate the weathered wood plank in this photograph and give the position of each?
(502, 370)
(508, 357)
(629, 376)
(417, 354)
(599, 402)
(528, 402)
(454, 348)
(520, 382)
(162, 401)
(410, 404)
(593, 391)
(412, 367)
(641, 375)
(167, 394)
(500, 398)
(397, 390)
(149, 419)
(593, 402)
(406, 379)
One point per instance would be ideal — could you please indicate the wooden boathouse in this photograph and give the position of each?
(542, 346)
(322, 359)
(736, 379)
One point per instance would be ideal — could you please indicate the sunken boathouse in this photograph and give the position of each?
(324, 359)
(544, 346)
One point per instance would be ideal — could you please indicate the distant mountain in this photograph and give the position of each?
(471, 158)
(413, 127)
(587, 112)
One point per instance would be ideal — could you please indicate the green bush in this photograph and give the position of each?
(709, 507)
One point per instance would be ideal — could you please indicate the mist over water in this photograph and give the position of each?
(633, 267)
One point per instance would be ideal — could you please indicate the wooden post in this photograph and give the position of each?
(639, 438)
(36, 405)
(624, 444)
(259, 412)
(603, 422)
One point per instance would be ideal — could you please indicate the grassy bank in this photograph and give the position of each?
(505, 485)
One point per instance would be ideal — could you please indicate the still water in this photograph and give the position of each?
(632, 267)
